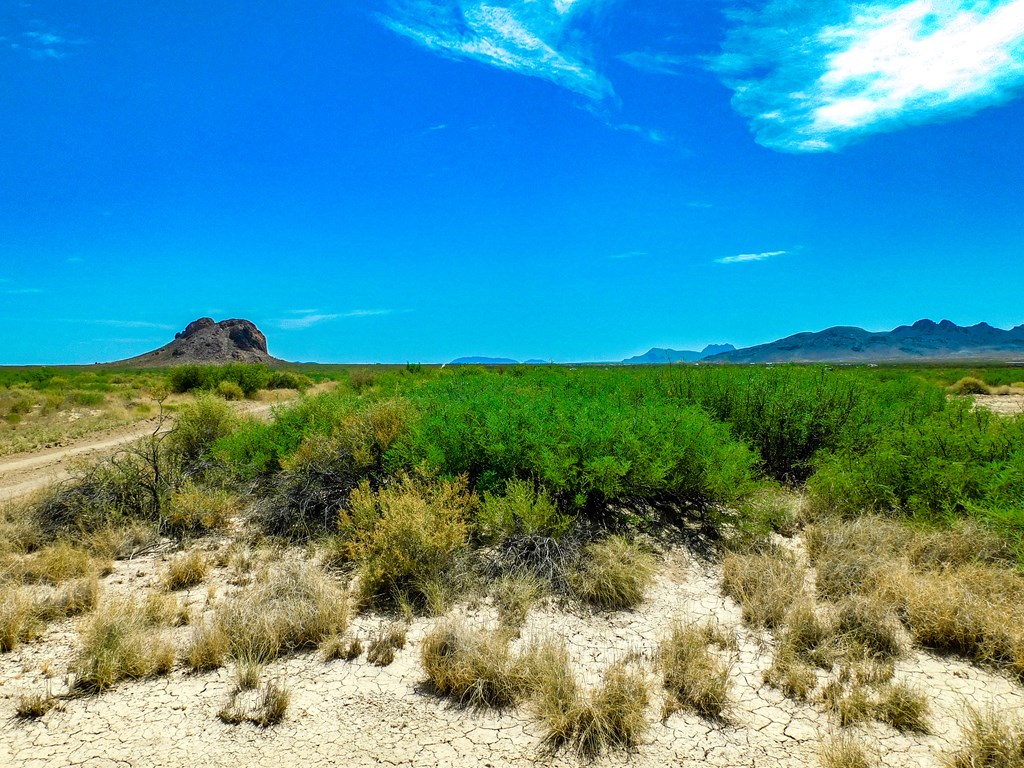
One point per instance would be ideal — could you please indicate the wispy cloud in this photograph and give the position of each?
(538, 38)
(815, 82)
(44, 44)
(745, 257)
(134, 324)
(628, 255)
(306, 318)
(22, 291)
(656, 63)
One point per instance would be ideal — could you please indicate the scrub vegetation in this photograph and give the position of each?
(853, 514)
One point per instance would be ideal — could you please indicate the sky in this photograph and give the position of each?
(570, 180)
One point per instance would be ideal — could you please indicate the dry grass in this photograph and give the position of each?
(903, 707)
(765, 584)
(287, 608)
(693, 676)
(474, 667)
(868, 627)
(19, 617)
(196, 509)
(186, 570)
(209, 648)
(124, 640)
(990, 741)
(514, 596)
(843, 751)
(339, 647)
(388, 638)
(60, 562)
(72, 599)
(265, 707)
(35, 705)
(612, 573)
(610, 717)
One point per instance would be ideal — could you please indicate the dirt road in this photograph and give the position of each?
(23, 473)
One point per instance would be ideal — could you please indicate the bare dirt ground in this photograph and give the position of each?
(23, 473)
(351, 713)
(1005, 405)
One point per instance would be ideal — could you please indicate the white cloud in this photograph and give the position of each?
(531, 37)
(655, 63)
(815, 82)
(310, 317)
(745, 257)
(628, 255)
(22, 291)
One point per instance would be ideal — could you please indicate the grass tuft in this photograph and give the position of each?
(765, 584)
(186, 570)
(990, 741)
(843, 751)
(390, 637)
(693, 676)
(612, 573)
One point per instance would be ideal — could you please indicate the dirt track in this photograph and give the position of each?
(23, 473)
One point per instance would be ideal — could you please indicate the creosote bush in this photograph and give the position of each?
(474, 667)
(406, 535)
(612, 573)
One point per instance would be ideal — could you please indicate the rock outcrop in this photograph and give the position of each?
(208, 342)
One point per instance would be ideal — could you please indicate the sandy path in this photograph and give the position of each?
(23, 473)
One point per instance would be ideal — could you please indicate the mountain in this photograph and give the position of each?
(483, 361)
(207, 342)
(658, 355)
(925, 340)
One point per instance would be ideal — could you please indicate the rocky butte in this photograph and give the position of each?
(208, 342)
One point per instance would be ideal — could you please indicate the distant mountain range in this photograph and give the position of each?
(925, 340)
(657, 355)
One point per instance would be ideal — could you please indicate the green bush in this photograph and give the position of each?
(229, 390)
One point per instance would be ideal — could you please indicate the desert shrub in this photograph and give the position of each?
(991, 740)
(765, 584)
(474, 667)
(288, 608)
(968, 385)
(288, 380)
(406, 535)
(590, 722)
(693, 676)
(229, 390)
(599, 445)
(186, 570)
(521, 511)
(194, 508)
(123, 640)
(388, 638)
(324, 471)
(199, 425)
(87, 398)
(248, 377)
(612, 573)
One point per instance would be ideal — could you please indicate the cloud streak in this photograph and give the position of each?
(537, 38)
(813, 82)
(307, 318)
(742, 258)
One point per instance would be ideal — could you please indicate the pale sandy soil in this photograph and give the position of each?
(355, 714)
(1006, 405)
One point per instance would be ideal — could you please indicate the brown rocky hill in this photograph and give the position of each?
(207, 342)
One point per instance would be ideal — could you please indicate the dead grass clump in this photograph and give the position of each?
(514, 596)
(990, 741)
(965, 544)
(693, 676)
(390, 637)
(339, 647)
(60, 562)
(850, 704)
(968, 385)
(612, 574)
(73, 599)
(843, 751)
(868, 627)
(290, 607)
(35, 705)
(19, 618)
(764, 584)
(186, 570)
(791, 674)
(123, 640)
(806, 642)
(265, 707)
(903, 707)
(209, 648)
(474, 667)
(197, 509)
(610, 717)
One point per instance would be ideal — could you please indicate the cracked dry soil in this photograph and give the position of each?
(352, 713)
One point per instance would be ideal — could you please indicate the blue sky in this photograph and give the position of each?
(416, 180)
